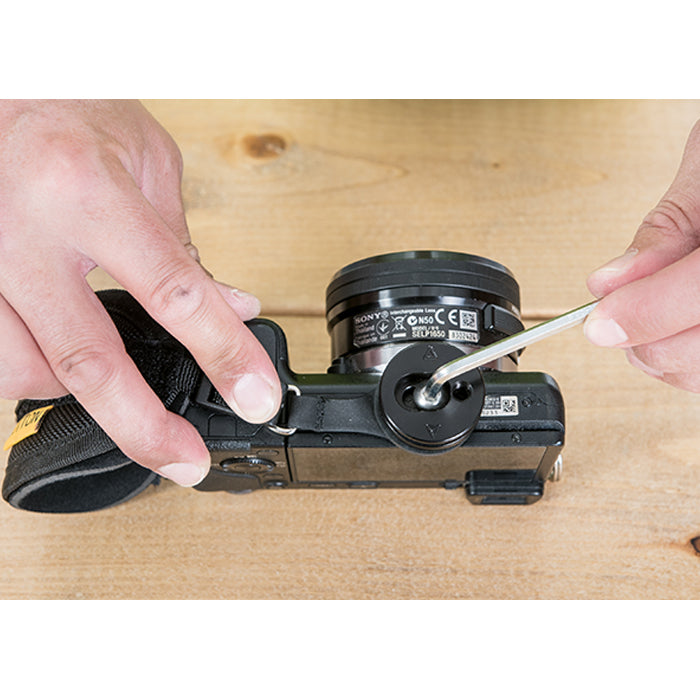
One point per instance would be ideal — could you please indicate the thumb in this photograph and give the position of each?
(668, 233)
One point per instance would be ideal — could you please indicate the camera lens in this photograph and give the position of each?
(376, 306)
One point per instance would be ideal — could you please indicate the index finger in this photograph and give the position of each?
(649, 309)
(146, 257)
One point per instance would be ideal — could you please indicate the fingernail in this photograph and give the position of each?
(598, 278)
(249, 301)
(253, 399)
(183, 473)
(246, 304)
(604, 332)
(636, 362)
(619, 264)
(191, 248)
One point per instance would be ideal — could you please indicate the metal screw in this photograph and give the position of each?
(557, 470)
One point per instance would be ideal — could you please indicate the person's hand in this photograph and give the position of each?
(651, 304)
(97, 183)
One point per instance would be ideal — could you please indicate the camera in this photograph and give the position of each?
(393, 320)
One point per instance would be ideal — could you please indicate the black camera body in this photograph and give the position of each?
(394, 320)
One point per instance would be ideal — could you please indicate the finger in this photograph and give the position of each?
(162, 188)
(24, 371)
(677, 354)
(687, 380)
(650, 309)
(245, 305)
(184, 300)
(87, 356)
(668, 233)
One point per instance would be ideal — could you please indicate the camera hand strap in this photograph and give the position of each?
(70, 464)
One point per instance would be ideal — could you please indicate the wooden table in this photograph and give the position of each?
(281, 194)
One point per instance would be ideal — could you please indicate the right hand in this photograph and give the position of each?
(651, 294)
(94, 183)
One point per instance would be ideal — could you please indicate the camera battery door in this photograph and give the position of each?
(433, 430)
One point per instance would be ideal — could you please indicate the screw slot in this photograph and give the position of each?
(461, 391)
(408, 387)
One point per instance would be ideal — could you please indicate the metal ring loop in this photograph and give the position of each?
(278, 429)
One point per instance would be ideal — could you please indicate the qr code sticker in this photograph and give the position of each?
(468, 320)
(509, 405)
(500, 406)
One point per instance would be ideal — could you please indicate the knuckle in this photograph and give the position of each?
(159, 439)
(235, 352)
(179, 297)
(670, 217)
(84, 368)
(71, 167)
(230, 357)
(167, 154)
(154, 441)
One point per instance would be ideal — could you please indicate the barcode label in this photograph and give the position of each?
(500, 406)
(463, 336)
(468, 320)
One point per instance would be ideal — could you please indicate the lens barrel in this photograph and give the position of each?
(376, 306)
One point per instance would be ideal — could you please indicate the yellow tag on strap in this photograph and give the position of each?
(29, 425)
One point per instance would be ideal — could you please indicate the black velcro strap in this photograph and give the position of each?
(70, 465)
(317, 414)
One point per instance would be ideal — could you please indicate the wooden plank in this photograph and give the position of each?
(619, 525)
(281, 194)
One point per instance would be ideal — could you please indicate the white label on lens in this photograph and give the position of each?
(405, 323)
(463, 336)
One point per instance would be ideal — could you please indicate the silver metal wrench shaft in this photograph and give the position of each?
(427, 397)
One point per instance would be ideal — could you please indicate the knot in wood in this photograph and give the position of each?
(263, 146)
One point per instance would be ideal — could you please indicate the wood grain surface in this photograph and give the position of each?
(281, 194)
